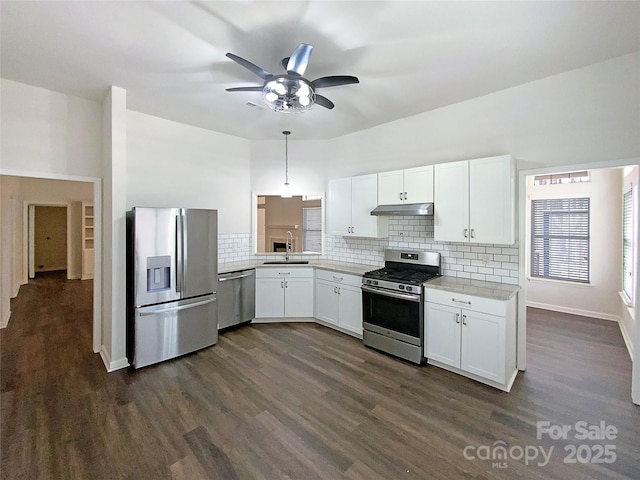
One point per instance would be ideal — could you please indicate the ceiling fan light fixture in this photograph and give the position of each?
(288, 95)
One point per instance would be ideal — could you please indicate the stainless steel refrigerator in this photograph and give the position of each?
(172, 263)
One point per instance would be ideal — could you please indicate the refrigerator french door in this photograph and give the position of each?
(172, 281)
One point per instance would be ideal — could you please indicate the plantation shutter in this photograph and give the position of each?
(560, 239)
(312, 229)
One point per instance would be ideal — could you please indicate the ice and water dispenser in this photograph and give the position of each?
(158, 273)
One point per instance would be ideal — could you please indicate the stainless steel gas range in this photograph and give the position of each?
(392, 303)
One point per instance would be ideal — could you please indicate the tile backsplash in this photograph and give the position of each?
(493, 263)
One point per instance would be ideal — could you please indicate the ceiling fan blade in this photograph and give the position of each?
(324, 102)
(249, 66)
(299, 59)
(244, 89)
(334, 81)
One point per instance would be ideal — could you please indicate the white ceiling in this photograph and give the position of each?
(410, 56)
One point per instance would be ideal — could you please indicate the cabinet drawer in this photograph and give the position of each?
(337, 277)
(468, 302)
(297, 272)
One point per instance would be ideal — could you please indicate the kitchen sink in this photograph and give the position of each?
(286, 262)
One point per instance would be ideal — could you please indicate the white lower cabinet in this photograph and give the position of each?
(284, 292)
(473, 336)
(339, 300)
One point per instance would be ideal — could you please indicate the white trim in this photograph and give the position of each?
(284, 320)
(110, 365)
(626, 335)
(48, 176)
(575, 311)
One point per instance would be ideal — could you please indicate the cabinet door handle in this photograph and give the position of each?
(400, 195)
(338, 279)
(335, 290)
(405, 195)
(464, 319)
(473, 233)
(457, 318)
(286, 284)
(282, 284)
(466, 233)
(339, 292)
(353, 229)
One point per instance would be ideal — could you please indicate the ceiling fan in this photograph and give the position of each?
(291, 92)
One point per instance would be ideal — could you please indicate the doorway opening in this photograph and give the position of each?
(48, 239)
(599, 294)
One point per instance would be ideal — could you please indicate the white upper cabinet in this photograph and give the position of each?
(411, 185)
(350, 203)
(474, 201)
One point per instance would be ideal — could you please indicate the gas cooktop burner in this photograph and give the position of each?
(401, 275)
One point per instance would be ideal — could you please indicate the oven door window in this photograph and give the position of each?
(402, 316)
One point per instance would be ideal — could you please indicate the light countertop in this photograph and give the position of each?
(478, 288)
(341, 267)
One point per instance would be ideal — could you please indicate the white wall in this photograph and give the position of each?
(173, 164)
(586, 115)
(600, 297)
(308, 162)
(48, 132)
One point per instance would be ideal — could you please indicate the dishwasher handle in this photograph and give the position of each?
(237, 277)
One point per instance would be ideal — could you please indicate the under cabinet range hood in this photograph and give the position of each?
(404, 209)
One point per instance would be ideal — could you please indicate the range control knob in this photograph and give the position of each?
(409, 289)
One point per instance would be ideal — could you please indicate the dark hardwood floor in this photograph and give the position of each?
(300, 401)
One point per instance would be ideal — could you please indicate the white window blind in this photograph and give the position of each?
(560, 239)
(627, 242)
(312, 229)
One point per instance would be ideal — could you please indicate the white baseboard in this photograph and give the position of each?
(575, 311)
(284, 320)
(110, 365)
(627, 338)
(5, 320)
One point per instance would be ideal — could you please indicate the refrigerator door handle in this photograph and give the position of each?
(184, 253)
(178, 255)
(145, 311)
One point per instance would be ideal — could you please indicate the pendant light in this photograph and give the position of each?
(286, 192)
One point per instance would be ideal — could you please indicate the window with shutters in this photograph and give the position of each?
(560, 239)
(627, 244)
(312, 229)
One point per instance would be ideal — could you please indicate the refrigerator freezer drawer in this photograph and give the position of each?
(172, 329)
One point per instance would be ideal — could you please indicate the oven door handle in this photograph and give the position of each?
(386, 293)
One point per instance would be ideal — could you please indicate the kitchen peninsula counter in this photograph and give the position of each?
(341, 267)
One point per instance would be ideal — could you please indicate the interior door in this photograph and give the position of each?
(200, 252)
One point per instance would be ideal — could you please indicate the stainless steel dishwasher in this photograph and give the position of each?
(236, 298)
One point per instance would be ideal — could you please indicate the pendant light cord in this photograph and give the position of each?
(286, 157)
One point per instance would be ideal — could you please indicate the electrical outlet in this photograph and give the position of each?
(485, 258)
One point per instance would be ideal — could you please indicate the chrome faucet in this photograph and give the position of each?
(289, 245)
